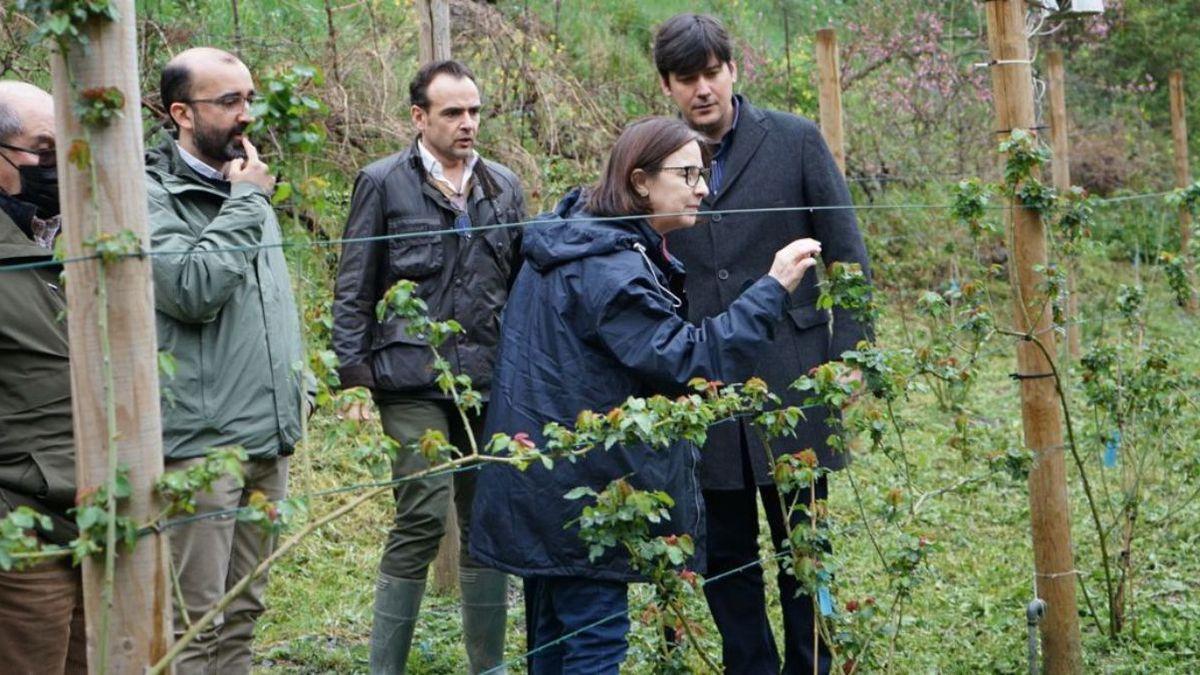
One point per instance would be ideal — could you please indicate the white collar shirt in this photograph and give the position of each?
(198, 166)
(434, 168)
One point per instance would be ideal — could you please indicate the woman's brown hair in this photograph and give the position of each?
(644, 145)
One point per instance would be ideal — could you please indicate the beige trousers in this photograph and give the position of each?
(211, 556)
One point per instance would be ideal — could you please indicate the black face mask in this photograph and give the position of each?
(39, 186)
(22, 213)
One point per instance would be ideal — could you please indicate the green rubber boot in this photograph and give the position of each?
(484, 617)
(397, 604)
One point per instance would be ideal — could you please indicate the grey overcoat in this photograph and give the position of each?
(776, 160)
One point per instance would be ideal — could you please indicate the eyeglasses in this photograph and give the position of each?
(691, 174)
(46, 156)
(228, 102)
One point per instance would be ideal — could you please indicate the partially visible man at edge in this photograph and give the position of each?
(225, 311)
(761, 158)
(441, 201)
(41, 606)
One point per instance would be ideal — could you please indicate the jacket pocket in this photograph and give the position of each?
(808, 316)
(415, 250)
(500, 244)
(400, 361)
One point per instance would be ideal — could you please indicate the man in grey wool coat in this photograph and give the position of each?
(761, 159)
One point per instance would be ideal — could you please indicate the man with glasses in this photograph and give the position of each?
(761, 158)
(226, 314)
(41, 606)
(429, 214)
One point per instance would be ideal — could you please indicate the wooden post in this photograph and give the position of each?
(1061, 164)
(435, 46)
(1012, 85)
(434, 16)
(1061, 168)
(445, 567)
(139, 631)
(830, 81)
(1183, 172)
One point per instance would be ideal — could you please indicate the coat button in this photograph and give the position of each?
(716, 217)
(722, 274)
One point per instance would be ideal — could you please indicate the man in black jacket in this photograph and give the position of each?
(436, 203)
(761, 158)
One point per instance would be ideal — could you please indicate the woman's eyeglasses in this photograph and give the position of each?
(691, 174)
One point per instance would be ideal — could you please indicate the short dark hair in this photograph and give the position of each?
(175, 83)
(418, 89)
(174, 86)
(684, 43)
(644, 145)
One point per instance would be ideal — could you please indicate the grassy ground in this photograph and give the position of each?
(968, 613)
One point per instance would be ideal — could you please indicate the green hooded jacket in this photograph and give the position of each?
(37, 445)
(225, 311)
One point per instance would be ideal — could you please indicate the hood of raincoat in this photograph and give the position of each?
(569, 233)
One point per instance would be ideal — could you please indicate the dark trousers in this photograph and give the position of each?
(589, 616)
(738, 601)
(422, 505)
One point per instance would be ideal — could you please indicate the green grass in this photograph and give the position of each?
(968, 613)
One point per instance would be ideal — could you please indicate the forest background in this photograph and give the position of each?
(560, 79)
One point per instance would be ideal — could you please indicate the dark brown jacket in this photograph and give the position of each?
(460, 277)
(37, 446)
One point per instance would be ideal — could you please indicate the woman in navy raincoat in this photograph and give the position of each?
(593, 318)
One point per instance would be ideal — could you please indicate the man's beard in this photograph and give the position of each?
(219, 144)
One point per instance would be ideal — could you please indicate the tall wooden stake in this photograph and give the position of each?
(139, 628)
(1061, 167)
(831, 95)
(435, 46)
(1183, 172)
(445, 567)
(434, 16)
(1012, 85)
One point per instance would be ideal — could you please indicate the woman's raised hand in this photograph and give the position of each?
(793, 260)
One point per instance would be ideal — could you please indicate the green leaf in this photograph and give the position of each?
(579, 493)
(23, 519)
(282, 192)
(167, 364)
(122, 489)
(88, 516)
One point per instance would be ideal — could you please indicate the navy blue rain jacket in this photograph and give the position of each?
(590, 321)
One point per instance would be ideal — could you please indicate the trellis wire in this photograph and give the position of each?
(531, 222)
